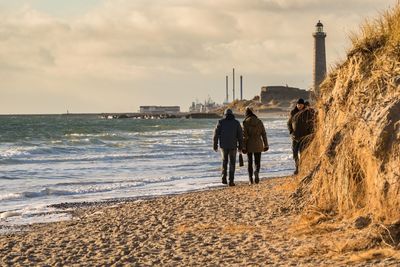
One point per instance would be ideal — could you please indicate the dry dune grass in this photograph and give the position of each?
(289, 186)
(352, 166)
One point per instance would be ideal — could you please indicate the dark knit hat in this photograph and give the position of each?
(228, 111)
(300, 101)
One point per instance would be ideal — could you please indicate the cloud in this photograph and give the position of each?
(123, 45)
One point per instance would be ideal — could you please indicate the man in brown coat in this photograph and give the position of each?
(254, 142)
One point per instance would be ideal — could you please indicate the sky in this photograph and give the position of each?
(115, 55)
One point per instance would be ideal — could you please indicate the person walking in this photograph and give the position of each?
(229, 135)
(254, 142)
(300, 125)
(295, 142)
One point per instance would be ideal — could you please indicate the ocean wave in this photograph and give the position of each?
(75, 146)
(90, 135)
(179, 137)
(45, 192)
(11, 155)
(275, 124)
(10, 196)
(175, 133)
(115, 136)
(15, 152)
(82, 188)
(8, 178)
(157, 153)
(9, 214)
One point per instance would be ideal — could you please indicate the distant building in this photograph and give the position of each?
(160, 109)
(207, 106)
(197, 107)
(282, 94)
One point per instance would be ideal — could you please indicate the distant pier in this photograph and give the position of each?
(147, 116)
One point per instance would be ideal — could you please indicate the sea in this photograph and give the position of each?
(53, 159)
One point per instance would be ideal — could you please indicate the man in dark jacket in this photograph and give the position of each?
(228, 133)
(300, 125)
(295, 142)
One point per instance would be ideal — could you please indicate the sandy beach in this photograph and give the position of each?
(232, 226)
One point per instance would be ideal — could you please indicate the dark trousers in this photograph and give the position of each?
(296, 151)
(228, 155)
(257, 163)
(297, 147)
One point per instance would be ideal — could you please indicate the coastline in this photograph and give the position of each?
(241, 226)
(86, 159)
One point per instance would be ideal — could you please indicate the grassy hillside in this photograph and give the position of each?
(352, 167)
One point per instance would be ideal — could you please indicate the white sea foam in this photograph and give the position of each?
(10, 196)
(10, 221)
(90, 135)
(8, 214)
(15, 152)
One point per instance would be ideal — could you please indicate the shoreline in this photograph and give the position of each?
(125, 200)
(69, 208)
(242, 225)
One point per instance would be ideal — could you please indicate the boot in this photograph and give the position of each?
(250, 180)
(296, 162)
(231, 177)
(224, 181)
(256, 178)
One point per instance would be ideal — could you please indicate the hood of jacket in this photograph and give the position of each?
(251, 120)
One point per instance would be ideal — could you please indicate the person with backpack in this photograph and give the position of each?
(229, 135)
(254, 142)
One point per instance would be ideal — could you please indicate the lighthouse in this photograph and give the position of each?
(319, 57)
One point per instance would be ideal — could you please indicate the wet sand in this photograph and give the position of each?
(232, 226)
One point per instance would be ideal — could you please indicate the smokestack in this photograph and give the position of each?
(227, 95)
(233, 99)
(241, 87)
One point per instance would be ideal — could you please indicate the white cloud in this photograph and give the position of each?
(117, 50)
